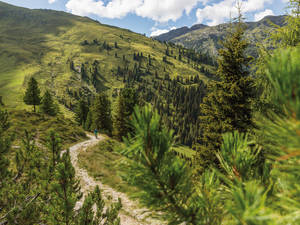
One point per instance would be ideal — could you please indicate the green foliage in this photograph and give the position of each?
(283, 37)
(32, 94)
(99, 216)
(283, 71)
(125, 105)
(5, 143)
(81, 112)
(54, 145)
(47, 105)
(257, 178)
(237, 158)
(65, 192)
(35, 190)
(164, 180)
(102, 114)
(227, 106)
(289, 35)
(248, 204)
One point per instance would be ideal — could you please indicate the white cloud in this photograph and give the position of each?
(51, 1)
(261, 15)
(157, 10)
(156, 31)
(165, 10)
(113, 9)
(218, 12)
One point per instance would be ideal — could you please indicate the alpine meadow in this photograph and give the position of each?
(101, 125)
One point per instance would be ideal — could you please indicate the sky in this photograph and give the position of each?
(154, 17)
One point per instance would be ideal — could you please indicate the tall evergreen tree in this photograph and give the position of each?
(126, 102)
(102, 114)
(32, 94)
(48, 106)
(227, 106)
(81, 112)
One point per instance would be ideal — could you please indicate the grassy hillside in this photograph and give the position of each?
(56, 47)
(40, 125)
(206, 38)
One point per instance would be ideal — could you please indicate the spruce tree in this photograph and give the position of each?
(81, 112)
(48, 106)
(32, 94)
(89, 120)
(227, 106)
(102, 114)
(126, 102)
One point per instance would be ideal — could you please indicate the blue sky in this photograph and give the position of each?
(153, 17)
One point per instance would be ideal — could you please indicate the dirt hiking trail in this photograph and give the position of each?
(130, 213)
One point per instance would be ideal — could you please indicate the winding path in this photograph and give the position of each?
(130, 213)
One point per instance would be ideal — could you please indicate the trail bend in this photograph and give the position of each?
(130, 214)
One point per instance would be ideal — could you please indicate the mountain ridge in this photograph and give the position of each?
(205, 38)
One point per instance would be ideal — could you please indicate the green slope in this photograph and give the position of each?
(44, 43)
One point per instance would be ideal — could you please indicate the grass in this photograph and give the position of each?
(101, 163)
(40, 125)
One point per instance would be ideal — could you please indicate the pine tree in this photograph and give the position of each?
(32, 94)
(227, 106)
(65, 192)
(89, 216)
(54, 145)
(102, 114)
(5, 144)
(47, 104)
(164, 180)
(126, 102)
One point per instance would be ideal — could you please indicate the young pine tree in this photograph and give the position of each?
(227, 106)
(32, 94)
(164, 180)
(5, 143)
(90, 215)
(126, 102)
(47, 105)
(54, 145)
(65, 192)
(102, 114)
